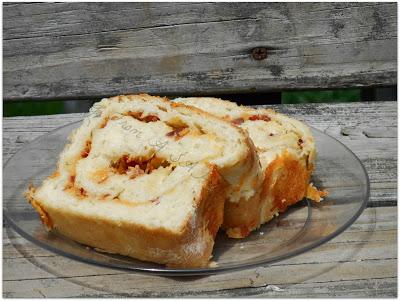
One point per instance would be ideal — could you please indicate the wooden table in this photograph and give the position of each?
(361, 262)
(78, 50)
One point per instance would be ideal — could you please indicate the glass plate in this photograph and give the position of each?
(303, 227)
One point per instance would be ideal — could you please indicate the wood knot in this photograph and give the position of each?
(259, 53)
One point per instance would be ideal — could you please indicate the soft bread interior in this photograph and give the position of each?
(286, 151)
(271, 132)
(148, 178)
(158, 131)
(176, 229)
(170, 207)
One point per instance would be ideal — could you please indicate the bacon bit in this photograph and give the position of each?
(271, 134)
(142, 163)
(155, 163)
(126, 165)
(156, 201)
(72, 179)
(237, 121)
(104, 123)
(151, 118)
(179, 127)
(175, 123)
(138, 116)
(82, 191)
(87, 149)
(178, 132)
(300, 143)
(120, 165)
(260, 117)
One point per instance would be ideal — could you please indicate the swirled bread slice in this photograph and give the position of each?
(286, 150)
(148, 178)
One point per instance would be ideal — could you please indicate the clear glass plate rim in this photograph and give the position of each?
(202, 271)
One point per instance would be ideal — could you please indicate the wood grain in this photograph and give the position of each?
(61, 50)
(360, 262)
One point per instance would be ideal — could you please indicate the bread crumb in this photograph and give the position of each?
(213, 264)
(314, 194)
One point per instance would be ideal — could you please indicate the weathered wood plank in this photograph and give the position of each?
(362, 259)
(378, 231)
(376, 287)
(91, 49)
(378, 153)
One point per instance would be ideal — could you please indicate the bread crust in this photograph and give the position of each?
(191, 247)
(291, 183)
(286, 178)
(240, 166)
(78, 183)
(286, 182)
(242, 217)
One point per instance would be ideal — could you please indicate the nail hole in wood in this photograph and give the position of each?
(259, 53)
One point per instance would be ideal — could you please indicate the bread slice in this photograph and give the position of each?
(287, 153)
(148, 178)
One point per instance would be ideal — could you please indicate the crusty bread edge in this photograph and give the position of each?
(245, 216)
(242, 217)
(137, 241)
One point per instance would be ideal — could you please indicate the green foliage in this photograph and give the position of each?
(32, 108)
(57, 107)
(340, 95)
